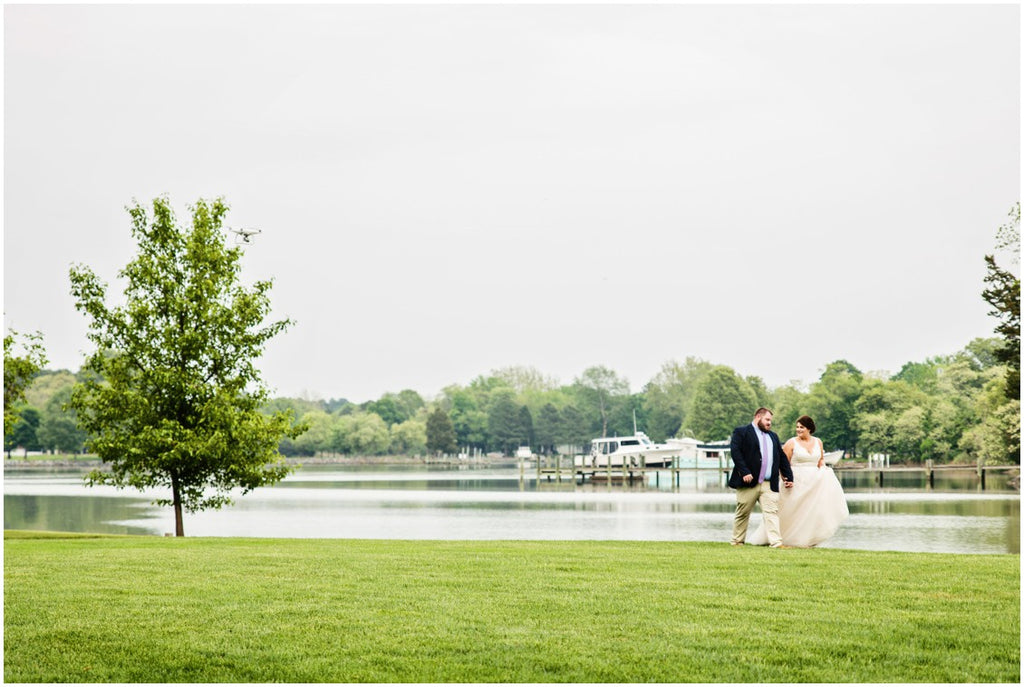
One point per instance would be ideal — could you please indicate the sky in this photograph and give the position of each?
(446, 190)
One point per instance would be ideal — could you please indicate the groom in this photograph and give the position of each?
(758, 459)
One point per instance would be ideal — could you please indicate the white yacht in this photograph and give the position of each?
(631, 451)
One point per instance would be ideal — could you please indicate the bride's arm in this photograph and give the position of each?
(787, 448)
(821, 454)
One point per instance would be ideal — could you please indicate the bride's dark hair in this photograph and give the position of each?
(806, 422)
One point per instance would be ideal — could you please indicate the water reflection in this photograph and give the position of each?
(430, 502)
(100, 514)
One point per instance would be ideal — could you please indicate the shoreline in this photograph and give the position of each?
(91, 463)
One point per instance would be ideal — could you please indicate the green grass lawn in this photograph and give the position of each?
(148, 609)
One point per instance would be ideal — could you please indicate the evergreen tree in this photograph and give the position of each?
(505, 422)
(440, 432)
(548, 428)
(25, 432)
(1003, 294)
(526, 426)
(575, 428)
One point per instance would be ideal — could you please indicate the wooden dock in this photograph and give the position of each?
(564, 470)
(930, 469)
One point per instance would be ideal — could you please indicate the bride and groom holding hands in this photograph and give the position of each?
(801, 500)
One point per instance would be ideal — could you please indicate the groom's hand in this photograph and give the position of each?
(788, 483)
(747, 479)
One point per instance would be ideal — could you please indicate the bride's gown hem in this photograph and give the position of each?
(811, 510)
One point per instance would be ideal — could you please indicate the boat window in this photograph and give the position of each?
(630, 442)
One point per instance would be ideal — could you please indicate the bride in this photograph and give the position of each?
(813, 509)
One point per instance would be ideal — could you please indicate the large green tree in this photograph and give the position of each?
(668, 398)
(58, 428)
(832, 404)
(996, 438)
(19, 371)
(319, 434)
(598, 390)
(466, 416)
(396, 408)
(890, 418)
(361, 434)
(173, 394)
(1003, 294)
(409, 437)
(722, 401)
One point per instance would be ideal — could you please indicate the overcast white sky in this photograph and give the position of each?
(446, 190)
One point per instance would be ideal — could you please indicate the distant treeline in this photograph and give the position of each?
(953, 408)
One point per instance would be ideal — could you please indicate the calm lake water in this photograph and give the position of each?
(487, 502)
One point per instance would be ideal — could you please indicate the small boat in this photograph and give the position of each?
(631, 451)
(524, 453)
(833, 457)
(694, 453)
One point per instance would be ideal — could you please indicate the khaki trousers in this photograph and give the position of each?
(745, 499)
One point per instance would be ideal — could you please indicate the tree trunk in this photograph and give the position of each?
(179, 525)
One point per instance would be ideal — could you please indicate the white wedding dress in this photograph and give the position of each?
(813, 508)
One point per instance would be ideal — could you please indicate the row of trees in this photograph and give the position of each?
(43, 421)
(949, 408)
(957, 407)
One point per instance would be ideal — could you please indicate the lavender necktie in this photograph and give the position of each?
(764, 457)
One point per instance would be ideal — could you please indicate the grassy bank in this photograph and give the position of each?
(146, 609)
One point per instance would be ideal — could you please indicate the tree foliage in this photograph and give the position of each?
(507, 425)
(19, 371)
(1003, 294)
(722, 401)
(25, 434)
(548, 429)
(598, 389)
(668, 398)
(173, 395)
(409, 437)
(361, 434)
(440, 432)
(831, 403)
(58, 428)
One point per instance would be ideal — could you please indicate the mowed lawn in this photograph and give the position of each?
(153, 609)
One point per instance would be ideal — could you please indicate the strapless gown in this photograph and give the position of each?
(814, 508)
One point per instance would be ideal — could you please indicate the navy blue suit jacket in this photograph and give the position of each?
(746, 458)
